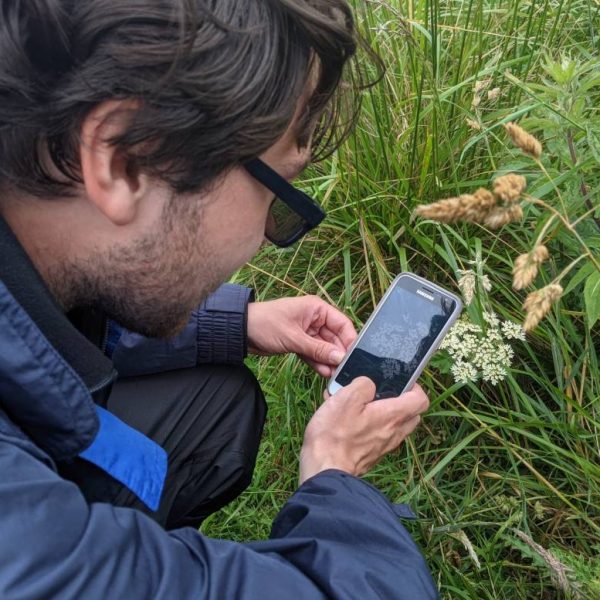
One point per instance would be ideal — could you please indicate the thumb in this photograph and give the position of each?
(321, 352)
(359, 391)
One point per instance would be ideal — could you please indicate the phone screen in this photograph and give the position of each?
(397, 340)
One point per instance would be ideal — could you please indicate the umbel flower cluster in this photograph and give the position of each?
(481, 353)
(497, 208)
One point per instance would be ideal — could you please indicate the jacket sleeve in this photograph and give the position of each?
(336, 537)
(215, 333)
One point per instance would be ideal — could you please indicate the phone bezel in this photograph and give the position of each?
(333, 386)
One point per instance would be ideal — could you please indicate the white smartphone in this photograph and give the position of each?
(400, 336)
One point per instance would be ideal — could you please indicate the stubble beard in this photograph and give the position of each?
(149, 286)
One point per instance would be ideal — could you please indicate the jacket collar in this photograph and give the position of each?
(53, 349)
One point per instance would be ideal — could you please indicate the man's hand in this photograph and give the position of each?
(307, 326)
(351, 431)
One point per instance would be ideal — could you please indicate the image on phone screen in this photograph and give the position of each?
(396, 341)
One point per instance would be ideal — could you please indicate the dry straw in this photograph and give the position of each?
(559, 571)
(526, 266)
(521, 139)
(538, 304)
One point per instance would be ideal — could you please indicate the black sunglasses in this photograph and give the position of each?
(292, 213)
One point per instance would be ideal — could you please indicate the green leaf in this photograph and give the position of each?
(582, 275)
(593, 139)
(591, 293)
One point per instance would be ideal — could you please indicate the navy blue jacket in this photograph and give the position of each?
(336, 537)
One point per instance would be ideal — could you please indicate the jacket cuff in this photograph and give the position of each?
(343, 522)
(222, 325)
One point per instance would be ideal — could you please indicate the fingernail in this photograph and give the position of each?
(336, 357)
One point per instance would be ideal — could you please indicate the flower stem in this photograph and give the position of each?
(543, 169)
(586, 214)
(568, 268)
(567, 224)
(544, 230)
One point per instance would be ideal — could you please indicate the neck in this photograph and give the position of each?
(44, 243)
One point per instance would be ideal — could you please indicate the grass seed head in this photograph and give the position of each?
(540, 253)
(538, 304)
(521, 139)
(467, 283)
(510, 187)
(466, 207)
(481, 85)
(479, 206)
(494, 94)
(473, 124)
(526, 266)
(445, 211)
(502, 215)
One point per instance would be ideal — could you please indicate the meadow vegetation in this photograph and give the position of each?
(504, 475)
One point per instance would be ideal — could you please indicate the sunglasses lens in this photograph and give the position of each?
(284, 225)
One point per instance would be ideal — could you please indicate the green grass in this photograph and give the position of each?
(523, 455)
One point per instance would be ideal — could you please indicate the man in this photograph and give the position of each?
(142, 144)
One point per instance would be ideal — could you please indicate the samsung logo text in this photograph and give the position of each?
(422, 293)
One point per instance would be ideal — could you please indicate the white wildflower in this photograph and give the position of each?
(513, 331)
(493, 373)
(463, 372)
(479, 353)
(491, 319)
(486, 283)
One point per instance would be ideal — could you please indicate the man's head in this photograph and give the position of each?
(124, 127)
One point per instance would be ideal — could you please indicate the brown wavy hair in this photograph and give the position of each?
(216, 82)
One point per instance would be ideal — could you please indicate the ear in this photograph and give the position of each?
(112, 182)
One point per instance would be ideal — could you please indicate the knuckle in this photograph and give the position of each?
(314, 299)
(322, 353)
(418, 401)
(365, 386)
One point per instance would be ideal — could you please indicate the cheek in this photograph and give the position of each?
(236, 227)
(249, 211)
(248, 228)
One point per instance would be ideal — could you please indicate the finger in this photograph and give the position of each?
(361, 391)
(319, 351)
(405, 406)
(339, 324)
(404, 431)
(332, 338)
(321, 369)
